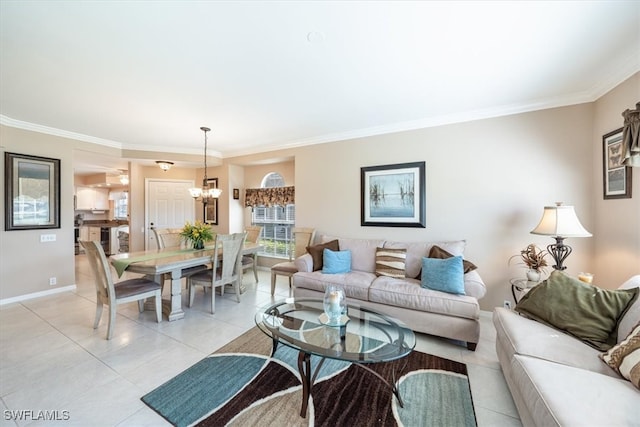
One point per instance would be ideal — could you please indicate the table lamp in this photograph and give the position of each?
(560, 222)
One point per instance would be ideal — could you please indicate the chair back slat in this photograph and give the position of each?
(303, 237)
(105, 289)
(229, 248)
(169, 237)
(253, 233)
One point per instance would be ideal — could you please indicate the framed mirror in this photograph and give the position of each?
(32, 192)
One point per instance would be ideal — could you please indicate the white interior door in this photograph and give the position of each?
(168, 205)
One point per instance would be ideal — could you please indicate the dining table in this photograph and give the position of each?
(155, 263)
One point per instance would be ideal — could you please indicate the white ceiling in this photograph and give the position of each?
(264, 75)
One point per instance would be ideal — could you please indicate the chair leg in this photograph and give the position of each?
(290, 285)
(255, 269)
(159, 307)
(213, 299)
(141, 305)
(99, 306)
(273, 283)
(237, 287)
(112, 321)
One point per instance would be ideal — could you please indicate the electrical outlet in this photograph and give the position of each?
(47, 238)
(507, 304)
(53, 281)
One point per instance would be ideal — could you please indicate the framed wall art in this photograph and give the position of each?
(31, 191)
(211, 209)
(393, 195)
(616, 176)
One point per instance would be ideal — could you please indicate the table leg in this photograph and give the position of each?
(176, 312)
(304, 367)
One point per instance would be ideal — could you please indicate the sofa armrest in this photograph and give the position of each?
(304, 263)
(473, 285)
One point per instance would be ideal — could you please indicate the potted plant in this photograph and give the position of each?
(197, 234)
(534, 259)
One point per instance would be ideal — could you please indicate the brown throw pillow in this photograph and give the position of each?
(587, 312)
(624, 358)
(317, 251)
(438, 252)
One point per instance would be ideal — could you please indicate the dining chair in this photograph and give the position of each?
(112, 294)
(168, 237)
(251, 261)
(226, 268)
(302, 236)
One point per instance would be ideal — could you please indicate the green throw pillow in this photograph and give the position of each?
(587, 312)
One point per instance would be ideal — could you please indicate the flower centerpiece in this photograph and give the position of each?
(197, 234)
(534, 259)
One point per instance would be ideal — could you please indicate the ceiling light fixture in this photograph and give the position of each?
(206, 194)
(164, 165)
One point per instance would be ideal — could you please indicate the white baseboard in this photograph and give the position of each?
(37, 294)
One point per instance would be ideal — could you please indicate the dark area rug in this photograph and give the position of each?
(241, 385)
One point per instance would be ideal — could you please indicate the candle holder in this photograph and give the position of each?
(335, 304)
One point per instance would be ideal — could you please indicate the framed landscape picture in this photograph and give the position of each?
(393, 195)
(32, 192)
(211, 208)
(616, 176)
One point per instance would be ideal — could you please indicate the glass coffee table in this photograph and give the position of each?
(362, 337)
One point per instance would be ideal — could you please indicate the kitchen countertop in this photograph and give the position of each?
(102, 223)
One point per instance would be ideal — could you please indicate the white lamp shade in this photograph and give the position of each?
(560, 221)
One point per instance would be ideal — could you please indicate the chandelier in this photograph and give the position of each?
(206, 194)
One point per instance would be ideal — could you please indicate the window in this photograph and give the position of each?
(120, 205)
(277, 222)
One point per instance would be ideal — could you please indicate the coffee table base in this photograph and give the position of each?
(304, 368)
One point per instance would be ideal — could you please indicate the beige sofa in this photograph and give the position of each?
(424, 310)
(557, 380)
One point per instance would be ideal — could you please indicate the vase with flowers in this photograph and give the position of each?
(197, 233)
(534, 259)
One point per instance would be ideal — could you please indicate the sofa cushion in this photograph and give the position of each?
(589, 313)
(418, 250)
(336, 262)
(444, 275)
(624, 358)
(437, 252)
(515, 334)
(560, 395)
(363, 252)
(632, 316)
(408, 293)
(317, 252)
(355, 283)
(390, 262)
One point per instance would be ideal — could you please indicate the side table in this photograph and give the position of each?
(520, 287)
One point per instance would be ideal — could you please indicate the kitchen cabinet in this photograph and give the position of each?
(92, 199)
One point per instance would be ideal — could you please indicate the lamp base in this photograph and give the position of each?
(559, 251)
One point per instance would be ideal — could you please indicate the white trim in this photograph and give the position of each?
(25, 297)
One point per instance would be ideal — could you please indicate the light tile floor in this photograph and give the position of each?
(51, 359)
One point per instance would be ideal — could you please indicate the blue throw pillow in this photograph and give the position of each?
(336, 262)
(446, 275)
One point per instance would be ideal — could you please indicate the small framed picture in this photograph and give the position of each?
(236, 193)
(616, 176)
(211, 208)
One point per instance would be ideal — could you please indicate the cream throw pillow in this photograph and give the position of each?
(624, 358)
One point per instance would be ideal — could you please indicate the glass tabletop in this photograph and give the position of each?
(366, 336)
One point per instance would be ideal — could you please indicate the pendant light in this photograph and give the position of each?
(205, 194)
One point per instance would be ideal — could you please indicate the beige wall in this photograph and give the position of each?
(26, 264)
(617, 221)
(487, 182)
